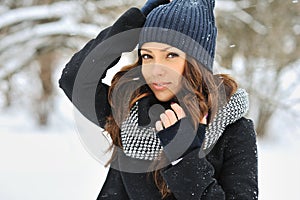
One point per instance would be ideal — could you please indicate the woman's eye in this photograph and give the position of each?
(172, 55)
(146, 56)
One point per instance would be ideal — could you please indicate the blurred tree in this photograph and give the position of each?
(259, 42)
(36, 34)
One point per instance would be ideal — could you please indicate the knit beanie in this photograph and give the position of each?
(188, 25)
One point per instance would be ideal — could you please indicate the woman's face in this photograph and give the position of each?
(162, 68)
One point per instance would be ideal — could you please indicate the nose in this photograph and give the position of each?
(158, 69)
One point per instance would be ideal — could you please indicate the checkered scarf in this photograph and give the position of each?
(142, 142)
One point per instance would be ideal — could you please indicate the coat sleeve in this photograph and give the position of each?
(106, 58)
(194, 176)
(113, 187)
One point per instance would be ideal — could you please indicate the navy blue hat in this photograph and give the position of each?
(188, 25)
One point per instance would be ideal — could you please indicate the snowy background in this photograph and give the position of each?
(51, 162)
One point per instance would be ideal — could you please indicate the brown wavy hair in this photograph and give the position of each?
(201, 91)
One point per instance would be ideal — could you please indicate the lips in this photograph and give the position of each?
(160, 85)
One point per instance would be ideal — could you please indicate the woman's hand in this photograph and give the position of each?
(170, 117)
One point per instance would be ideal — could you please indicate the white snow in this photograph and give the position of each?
(45, 163)
(279, 170)
(55, 10)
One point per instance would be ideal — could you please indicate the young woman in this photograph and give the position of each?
(178, 131)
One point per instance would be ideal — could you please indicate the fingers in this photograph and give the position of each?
(170, 117)
(159, 126)
(178, 110)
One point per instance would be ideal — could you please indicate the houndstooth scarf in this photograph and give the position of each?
(142, 142)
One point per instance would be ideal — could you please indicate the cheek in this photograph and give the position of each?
(145, 72)
(179, 81)
(181, 67)
(178, 73)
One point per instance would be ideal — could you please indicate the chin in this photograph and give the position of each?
(163, 98)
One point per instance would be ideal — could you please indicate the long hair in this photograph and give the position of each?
(203, 91)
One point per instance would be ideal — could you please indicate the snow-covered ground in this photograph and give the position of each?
(45, 163)
(52, 163)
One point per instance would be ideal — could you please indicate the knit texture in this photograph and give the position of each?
(139, 142)
(188, 25)
(236, 108)
(143, 143)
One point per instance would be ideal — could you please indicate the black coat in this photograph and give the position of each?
(229, 171)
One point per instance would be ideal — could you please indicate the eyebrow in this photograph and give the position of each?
(165, 49)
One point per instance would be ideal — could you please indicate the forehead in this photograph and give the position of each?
(160, 46)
